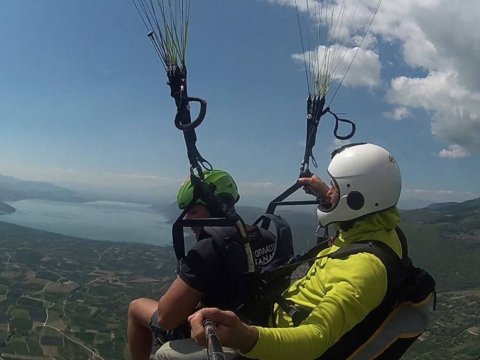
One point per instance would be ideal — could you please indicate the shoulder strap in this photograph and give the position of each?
(219, 232)
(231, 253)
(403, 243)
(282, 228)
(393, 264)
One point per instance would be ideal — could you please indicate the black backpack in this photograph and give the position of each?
(253, 294)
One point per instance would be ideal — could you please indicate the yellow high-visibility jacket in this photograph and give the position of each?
(339, 292)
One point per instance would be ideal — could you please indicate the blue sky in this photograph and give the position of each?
(84, 101)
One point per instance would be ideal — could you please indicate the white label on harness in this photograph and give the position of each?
(264, 254)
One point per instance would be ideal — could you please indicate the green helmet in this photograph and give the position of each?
(224, 186)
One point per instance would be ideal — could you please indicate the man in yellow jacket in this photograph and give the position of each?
(337, 294)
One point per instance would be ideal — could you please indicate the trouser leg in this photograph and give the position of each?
(186, 349)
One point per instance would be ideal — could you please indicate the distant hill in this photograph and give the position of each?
(409, 204)
(462, 216)
(6, 209)
(170, 211)
(466, 208)
(13, 189)
(445, 238)
(437, 206)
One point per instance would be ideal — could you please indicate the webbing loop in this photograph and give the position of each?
(185, 106)
(315, 110)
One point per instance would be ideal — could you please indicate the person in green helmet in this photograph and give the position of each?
(202, 278)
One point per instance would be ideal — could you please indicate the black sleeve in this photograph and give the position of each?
(201, 266)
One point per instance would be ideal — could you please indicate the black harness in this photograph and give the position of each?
(405, 283)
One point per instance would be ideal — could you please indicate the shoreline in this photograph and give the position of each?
(6, 209)
(100, 221)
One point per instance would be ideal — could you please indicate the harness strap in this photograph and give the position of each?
(315, 110)
(296, 313)
(177, 80)
(394, 265)
(295, 262)
(223, 240)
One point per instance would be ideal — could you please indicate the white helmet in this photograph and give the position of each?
(368, 180)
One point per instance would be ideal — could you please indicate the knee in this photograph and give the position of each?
(134, 306)
(137, 311)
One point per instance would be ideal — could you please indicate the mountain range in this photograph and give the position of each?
(13, 189)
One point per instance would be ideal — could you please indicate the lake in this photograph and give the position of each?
(100, 220)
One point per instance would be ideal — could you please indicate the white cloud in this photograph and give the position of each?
(455, 111)
(347, 21)
(364, 71)
(437, 195)
(440, 39)
(333, 51)
(454, 151)
(398, 113)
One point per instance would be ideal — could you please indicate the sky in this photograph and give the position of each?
(84, 101)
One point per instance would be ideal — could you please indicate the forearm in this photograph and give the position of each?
(302, 342)
(248, 339)
(177, 304)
